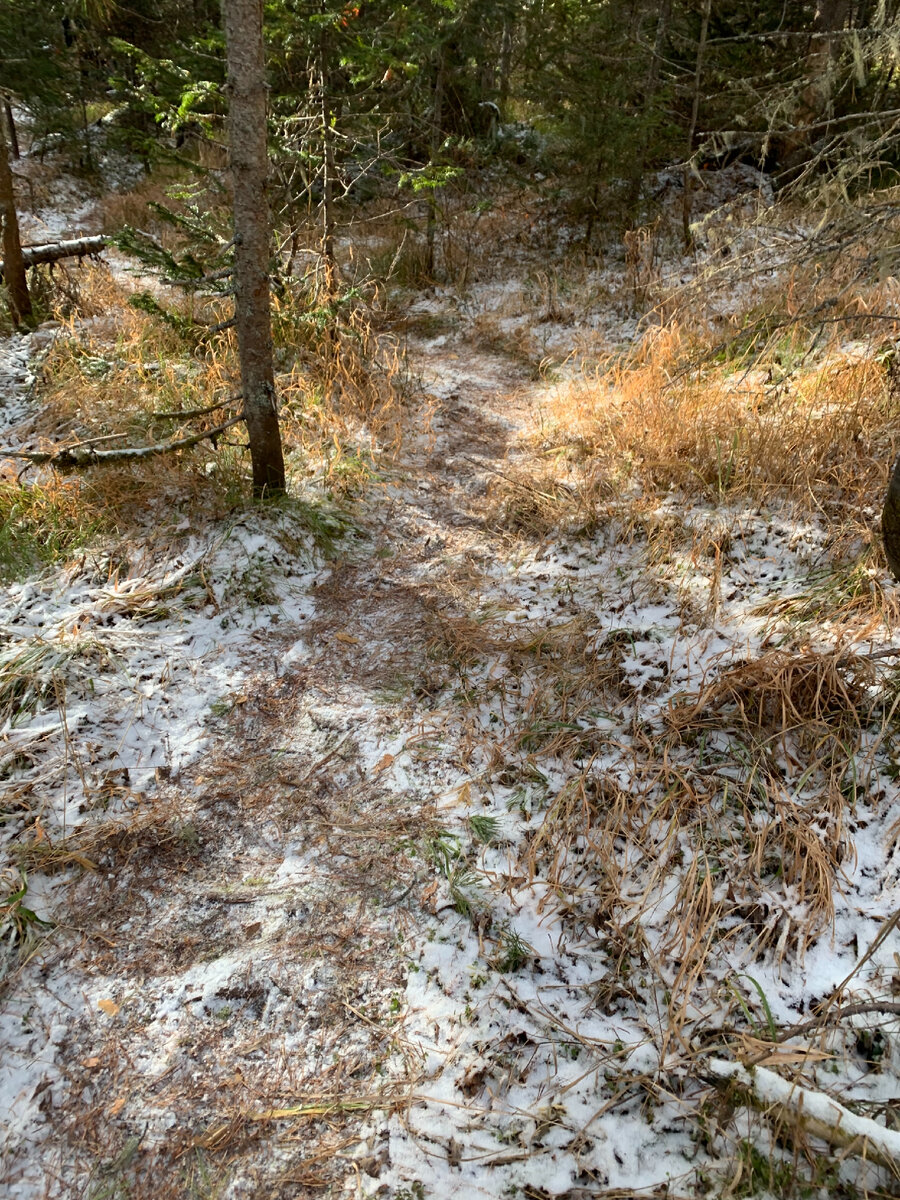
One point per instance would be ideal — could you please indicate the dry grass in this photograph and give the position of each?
(820, 437)
(749, 781)
(117, 209)
(524, 501)
(44, 522)
(113, 380)
(346, 395)
(123, 376)
(782, 693)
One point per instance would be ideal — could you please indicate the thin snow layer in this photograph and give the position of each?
(129, 673)
(534, 1035)
(144, 656)
(17, 377)
(535, 1067)
(124, 669)
(549, 317)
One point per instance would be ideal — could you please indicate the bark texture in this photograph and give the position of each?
(687, 203)
(11, 131)
(890, 522)
(326, 117)
(825, 48)
(14, 263)
(51, 252)
(249, 169)
(814, 102)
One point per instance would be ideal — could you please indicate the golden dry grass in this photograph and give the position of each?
(821, 436)
(122, 376)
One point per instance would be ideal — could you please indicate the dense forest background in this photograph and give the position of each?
(417, 96)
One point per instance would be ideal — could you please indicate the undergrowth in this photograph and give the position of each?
(695, 832)
(43, 523)
(706, 832)
(131, 377)
(663, 418)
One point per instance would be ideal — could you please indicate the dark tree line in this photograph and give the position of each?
(366, 97)
(621, 86)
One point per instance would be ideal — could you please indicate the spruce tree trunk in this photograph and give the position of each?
(326, 117)
(437, 121)
(249, 168)
(505, 67)
(648, 105)
(687, 205)
(11, 130)
(890, 522)
(13, 262)
(825, 48)
(814, 101)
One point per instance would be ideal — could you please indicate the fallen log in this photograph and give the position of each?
(54, 251)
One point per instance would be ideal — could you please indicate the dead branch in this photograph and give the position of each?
(52, 252)
(221, 326)
(67, 458)
(185, 413)
(814, 1112)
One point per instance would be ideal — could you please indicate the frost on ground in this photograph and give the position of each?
(468, 860)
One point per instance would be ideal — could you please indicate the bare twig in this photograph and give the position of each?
(304, 779)
(221, 326)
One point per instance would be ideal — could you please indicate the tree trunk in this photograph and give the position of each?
(505, 67)
(818, 88)
(437, 120)
(649, 104)
(326, 118)
(890, 522)
(11, 130)
(688, 197)
(13, 262)
(249, 168)
(825, 47)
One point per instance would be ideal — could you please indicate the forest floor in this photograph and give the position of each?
(458, 839)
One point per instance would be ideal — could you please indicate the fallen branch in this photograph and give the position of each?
(71, 457)
(54, 251)
(221, 326)
(892, 652)
(864, 1008)
(813, 1111)
(184, 413)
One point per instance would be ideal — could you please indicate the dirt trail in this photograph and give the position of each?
(239, 948)
(406, 875)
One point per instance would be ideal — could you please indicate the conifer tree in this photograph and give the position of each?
(249, 169)
(13, 262)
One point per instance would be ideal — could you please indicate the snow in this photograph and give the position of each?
(820, 1111)
(291, 728)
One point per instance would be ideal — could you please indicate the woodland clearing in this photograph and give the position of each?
(455, 827)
